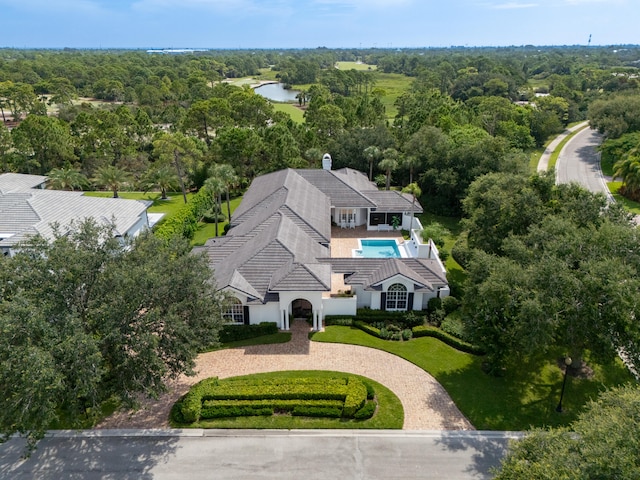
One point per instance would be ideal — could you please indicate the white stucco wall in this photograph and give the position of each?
(268, 312)
(340, 305)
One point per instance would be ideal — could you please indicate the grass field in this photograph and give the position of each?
(294, 112)
(355, 66)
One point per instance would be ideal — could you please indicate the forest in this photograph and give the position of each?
(87, 117)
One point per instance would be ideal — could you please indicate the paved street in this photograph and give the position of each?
(579, 162)
(252, 454)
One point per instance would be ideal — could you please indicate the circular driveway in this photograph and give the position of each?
(427, 406)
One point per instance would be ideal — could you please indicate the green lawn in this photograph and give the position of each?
(168, 207)
(355, 66)
(296, 114)
(390, 414)
(524, 397)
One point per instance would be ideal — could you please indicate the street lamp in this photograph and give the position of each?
(567, 362)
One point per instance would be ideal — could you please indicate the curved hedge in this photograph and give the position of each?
(334, 397)
(455, 342)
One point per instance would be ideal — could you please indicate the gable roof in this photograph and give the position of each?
(370, 273)
(338, 187)
(277, 255)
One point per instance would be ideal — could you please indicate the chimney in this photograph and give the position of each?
(326, 162)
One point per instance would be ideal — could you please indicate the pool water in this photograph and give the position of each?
(378, 249)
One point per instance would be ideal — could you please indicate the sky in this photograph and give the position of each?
(277, 24)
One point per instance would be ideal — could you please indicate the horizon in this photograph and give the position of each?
(309, 24)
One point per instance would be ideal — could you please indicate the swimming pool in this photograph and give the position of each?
(377, 248)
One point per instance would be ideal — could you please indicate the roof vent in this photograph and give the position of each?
(326, 162)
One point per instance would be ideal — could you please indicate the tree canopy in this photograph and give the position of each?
(602, 443)
(87, 318)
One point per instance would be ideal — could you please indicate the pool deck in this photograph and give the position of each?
(345, 240)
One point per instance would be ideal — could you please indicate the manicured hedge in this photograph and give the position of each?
(234, 333)
(184, 222)
(367, 411)
(429, 331)
(334, 397)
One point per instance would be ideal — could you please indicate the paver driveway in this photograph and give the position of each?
(427, 406)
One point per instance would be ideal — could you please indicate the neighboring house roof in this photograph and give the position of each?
(26, 211)
(18, 182)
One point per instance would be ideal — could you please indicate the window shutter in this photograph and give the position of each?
(383, 301)
(246, 315)
(410, 302)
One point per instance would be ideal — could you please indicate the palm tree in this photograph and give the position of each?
(215, 186)
(372, 154)
(628, 168)
(113, 178)
(162, 178)
(66, 179)
(415, 191)
(411, 162)
(389, 163)
(227, 174)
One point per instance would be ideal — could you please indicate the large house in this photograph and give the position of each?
(276, 261)
(27, 208)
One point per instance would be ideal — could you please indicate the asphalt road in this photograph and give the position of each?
(255, 454)
(579, 162)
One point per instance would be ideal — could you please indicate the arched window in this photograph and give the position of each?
(396, 297)
(235, 311)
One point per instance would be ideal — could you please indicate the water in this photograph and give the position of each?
(378, 249)
(277, 92)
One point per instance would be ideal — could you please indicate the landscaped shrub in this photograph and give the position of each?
(434, 304)
(370, 391)
(184, 222)
(407, 334)
(450, 304)
(332, 397)
(234, 333)
(311, 411)
(429, 331)
(365, 327)
(338, 320)
(453, 325)
(461, 253)
(192, 401)
(355, 398)
(367, 411)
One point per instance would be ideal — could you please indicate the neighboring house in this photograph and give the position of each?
(26, 208)
(276, 260)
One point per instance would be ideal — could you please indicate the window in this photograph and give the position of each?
(235, 312)
(396, 297)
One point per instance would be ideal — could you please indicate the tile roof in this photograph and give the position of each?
(393, 201)
(26, 211)
(280, 235)
(371, 272)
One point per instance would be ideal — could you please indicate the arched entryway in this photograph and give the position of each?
(295, 306)
(301, 308)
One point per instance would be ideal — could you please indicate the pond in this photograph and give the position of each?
(277, 92)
